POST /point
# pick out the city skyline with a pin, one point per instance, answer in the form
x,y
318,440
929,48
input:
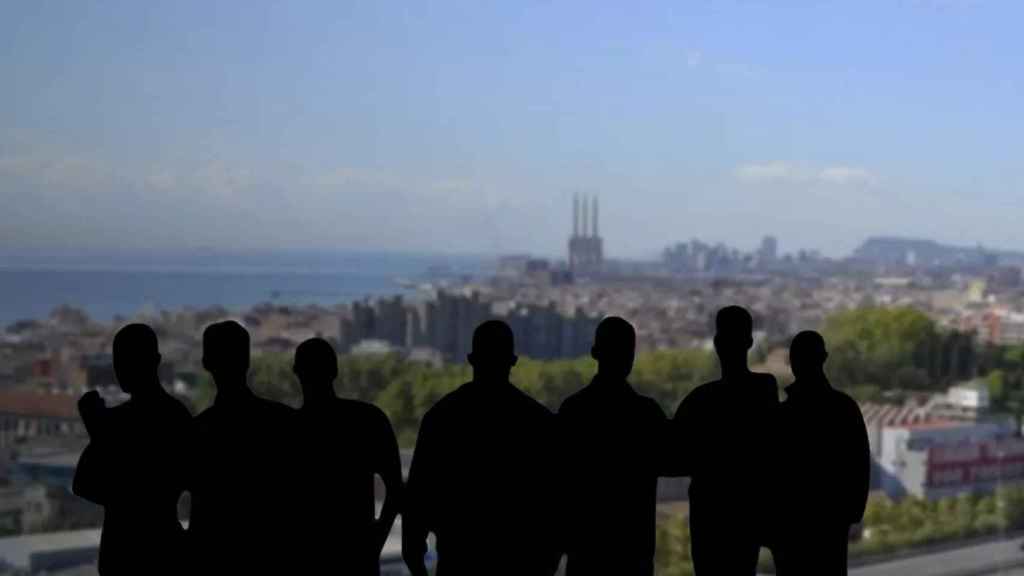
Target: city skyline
x,y
470,128
312,260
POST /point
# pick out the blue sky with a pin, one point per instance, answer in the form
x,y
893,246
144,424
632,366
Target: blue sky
x,y
468,126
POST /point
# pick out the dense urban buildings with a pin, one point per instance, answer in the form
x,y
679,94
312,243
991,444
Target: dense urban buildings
x,y
943,445
444,324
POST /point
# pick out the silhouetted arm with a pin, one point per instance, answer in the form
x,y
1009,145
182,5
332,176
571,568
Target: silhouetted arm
x,y
179,448
88,482
415,514
680,447
388,465
561,501
193,458
666,456
93,411
771,391
860,458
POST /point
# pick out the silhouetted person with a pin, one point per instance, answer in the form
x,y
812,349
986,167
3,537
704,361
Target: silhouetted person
x,y
133,464
722,438
342,444
826,465
481,478
242,479
613,452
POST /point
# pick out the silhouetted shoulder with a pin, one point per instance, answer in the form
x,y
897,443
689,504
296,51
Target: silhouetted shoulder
x,y
121,410
574,401
650,406
695,398
846,404
256,406
445,404
364,412
531,404
275,407
766,385
177,408
364,409
205,415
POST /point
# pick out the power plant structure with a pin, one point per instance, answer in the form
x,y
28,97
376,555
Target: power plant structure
x,y
586,248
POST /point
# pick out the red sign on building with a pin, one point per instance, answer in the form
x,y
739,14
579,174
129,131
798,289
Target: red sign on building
x,y
978,463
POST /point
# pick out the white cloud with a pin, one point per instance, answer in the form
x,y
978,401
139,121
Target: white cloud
x,y
770,172
779,171
71,173
17,165
161,180
218,179
845,175
693,58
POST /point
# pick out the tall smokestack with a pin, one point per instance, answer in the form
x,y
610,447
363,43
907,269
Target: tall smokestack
x,y
586,215
575,215
595,217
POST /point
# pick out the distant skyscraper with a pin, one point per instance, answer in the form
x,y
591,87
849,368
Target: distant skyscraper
x,y
586,248
769,249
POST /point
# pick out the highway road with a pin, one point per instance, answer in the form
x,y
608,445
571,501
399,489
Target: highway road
x,y
1002,557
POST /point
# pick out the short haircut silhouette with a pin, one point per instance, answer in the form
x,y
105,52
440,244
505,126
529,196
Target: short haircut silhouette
x,y
341,444
722,442
136,357
482,473
316,359
615,346
493,351
734,327
226,349
613,452
818,501
807,353
134,463
243,513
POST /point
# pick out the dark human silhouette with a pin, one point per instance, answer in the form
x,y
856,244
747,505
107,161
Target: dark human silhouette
x,y
343,444
132,465
482,477
721,430
242,477
613,450
825,463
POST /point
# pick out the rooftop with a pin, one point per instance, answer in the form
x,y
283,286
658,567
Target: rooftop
x,y
64,459
17,551
934,424
39,404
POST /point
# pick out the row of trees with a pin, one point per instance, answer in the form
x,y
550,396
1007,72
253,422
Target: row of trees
x,y
405,390
889,526
875,353
894,525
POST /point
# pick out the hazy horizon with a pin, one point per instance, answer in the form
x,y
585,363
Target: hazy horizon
x,y
310,259
460,128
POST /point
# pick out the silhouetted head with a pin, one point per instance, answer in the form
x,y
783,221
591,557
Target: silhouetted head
x,y
614,347
807,355
493,354
226,351
734,334
316,366
136,358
